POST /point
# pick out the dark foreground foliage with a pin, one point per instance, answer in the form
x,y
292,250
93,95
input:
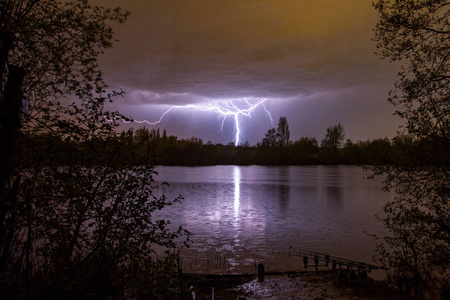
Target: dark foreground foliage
x,y
76,218
417,248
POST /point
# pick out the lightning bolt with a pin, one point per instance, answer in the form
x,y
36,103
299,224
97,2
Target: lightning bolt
x,y
224,109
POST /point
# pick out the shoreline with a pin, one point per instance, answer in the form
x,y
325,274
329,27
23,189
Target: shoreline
x,y
301,285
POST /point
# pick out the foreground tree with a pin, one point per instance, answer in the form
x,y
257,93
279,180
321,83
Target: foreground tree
x,y
418,247
416,33
75,218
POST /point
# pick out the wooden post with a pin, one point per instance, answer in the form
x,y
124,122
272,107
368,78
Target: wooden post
x,y
316,262
327,259
260,272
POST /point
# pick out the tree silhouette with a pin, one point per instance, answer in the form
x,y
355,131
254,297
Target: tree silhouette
x,y
76,218
332,143
334,137
270,138
417,34
283,133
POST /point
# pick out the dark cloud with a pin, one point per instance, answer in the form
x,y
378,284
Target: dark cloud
x,y
181,52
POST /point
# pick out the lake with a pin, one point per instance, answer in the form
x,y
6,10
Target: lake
x,y
241,216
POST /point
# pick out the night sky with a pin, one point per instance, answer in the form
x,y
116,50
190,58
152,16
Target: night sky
x,y
314,61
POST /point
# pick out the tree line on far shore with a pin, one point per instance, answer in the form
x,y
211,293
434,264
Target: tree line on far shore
x,y
275,148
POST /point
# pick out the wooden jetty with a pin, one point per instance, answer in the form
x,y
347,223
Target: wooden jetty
x,y
316,260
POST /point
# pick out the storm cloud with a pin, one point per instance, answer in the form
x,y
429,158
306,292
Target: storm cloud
x,y
180,52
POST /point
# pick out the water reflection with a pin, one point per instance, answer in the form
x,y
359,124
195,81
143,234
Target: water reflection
x,y
283,197
334,196
243,212
237,190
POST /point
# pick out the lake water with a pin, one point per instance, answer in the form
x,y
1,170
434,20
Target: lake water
x,y
241,216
